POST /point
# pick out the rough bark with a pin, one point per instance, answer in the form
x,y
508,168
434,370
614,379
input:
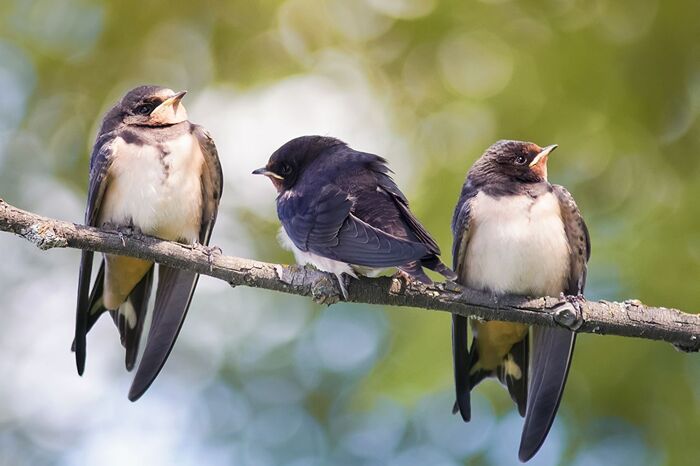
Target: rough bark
x,y
630,318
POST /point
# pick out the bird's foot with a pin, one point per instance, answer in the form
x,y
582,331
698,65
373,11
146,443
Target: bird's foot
x,y
131,231
452,286
405,277
573,299
123,231
211,252
324,290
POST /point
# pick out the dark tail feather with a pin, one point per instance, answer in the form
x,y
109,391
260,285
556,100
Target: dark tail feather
x,y
173,296
552,350
415,270
517,360
96,309
82,313
131,336
434,263
460,358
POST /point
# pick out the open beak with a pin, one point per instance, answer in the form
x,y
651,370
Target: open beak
x,y
543,155
266,172
172,101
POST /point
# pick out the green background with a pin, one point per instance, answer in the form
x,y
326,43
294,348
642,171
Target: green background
x,y
259,378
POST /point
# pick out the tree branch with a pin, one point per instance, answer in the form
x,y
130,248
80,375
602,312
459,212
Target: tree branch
x,y
630,318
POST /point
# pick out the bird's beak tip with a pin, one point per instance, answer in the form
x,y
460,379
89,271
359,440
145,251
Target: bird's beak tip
x,y
543,154
266,172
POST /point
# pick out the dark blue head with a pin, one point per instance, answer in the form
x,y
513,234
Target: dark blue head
x,y
287,163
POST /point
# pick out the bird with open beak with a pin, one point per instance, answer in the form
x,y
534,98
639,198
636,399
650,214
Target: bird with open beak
x,y
515,233
155,172
341,212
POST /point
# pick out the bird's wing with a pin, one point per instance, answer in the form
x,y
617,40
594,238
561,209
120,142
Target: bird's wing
x,y
175,286
461,223
553,347
326,226
100,161
212,182
387,184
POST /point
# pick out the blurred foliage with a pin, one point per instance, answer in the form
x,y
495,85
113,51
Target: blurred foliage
x,y
259,378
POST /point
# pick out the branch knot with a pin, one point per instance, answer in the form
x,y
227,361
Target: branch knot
x,y
568,315
43,236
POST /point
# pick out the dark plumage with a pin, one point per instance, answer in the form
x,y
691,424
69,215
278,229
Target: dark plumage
x,y
154,171
514,232
343,213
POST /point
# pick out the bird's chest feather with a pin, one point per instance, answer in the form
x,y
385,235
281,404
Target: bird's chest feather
x,y
517,245
156,187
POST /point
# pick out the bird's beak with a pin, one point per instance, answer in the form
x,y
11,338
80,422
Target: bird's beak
x,y
266,172
172,101
169,112
542,156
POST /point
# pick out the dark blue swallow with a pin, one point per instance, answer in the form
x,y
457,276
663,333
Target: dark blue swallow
x,y
341,211
516,233
153,171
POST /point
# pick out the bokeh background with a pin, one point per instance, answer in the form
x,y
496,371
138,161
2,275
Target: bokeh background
x,y
259,378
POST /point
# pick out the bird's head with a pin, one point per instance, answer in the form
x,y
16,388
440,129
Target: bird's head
x,y
152,106
516,161
288,163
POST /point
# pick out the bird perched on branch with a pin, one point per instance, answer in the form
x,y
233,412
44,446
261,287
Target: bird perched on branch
x,y
151,171
341,212
516,233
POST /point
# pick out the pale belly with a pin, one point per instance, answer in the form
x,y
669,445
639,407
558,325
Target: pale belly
x,y
160,194
517,245
323,263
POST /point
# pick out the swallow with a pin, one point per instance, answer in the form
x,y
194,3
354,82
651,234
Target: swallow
x,y
516,233
342,212
151,171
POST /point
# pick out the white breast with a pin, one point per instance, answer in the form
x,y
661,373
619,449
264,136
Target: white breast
x,y
157,188
517,245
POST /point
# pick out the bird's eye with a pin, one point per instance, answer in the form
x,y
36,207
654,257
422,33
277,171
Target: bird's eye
x,y
144,109
520,160
285,169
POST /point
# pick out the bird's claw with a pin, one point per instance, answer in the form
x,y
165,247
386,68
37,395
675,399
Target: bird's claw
x,y
407,279
452,286
324,291
211,252
123,231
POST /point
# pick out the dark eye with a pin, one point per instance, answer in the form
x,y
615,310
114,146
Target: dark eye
x,y
144,109
285,169
520,160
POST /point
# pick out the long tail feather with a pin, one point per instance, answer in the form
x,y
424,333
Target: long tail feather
x,y
552,350
173,296
460,358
